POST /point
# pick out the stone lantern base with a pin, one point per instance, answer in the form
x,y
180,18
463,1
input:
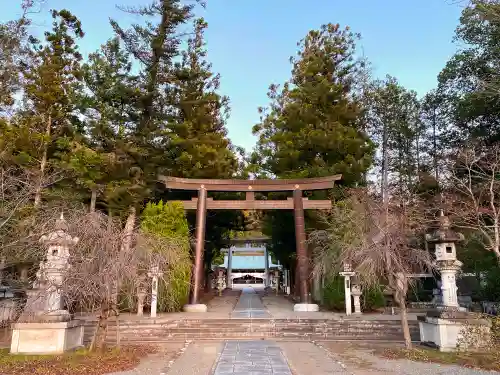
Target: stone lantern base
x,y
449,330
195,308
305,307
46,338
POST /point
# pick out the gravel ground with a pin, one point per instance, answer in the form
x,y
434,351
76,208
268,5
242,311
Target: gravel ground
x,y
198,359
304,358
360,361
160,362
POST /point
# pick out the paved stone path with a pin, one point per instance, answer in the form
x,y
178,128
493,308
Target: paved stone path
x,y
259,357
250,306
252,358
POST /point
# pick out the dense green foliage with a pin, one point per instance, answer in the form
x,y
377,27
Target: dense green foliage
x,y
168,220
312,126
334,296
372,299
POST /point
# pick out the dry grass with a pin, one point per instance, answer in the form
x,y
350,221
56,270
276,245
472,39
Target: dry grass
x,y
479,360
347,352
81,362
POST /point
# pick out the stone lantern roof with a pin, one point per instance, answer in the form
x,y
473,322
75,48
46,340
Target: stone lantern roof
x,y
60,235
444,233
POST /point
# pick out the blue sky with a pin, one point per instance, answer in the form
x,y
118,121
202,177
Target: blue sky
x,y
250,41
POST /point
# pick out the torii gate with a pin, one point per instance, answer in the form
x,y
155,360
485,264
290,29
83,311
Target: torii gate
x,y
298,203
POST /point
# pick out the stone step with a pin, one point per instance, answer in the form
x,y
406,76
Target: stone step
x,y
134,332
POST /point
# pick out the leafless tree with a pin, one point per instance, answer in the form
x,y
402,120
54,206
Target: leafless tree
x,y
473,194
100,262
102,272
20,225
380,242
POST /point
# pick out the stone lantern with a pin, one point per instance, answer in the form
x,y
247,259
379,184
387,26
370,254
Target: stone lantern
x,y
356,295
276,281
45,327
444,326
444,240
220,281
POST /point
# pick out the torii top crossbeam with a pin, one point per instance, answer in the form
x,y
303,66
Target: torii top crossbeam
x,y
316,183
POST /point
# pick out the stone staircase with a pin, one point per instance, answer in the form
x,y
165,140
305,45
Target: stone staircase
x,y
158,331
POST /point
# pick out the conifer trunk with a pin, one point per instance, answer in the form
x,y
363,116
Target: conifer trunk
x,y
93,200
43,164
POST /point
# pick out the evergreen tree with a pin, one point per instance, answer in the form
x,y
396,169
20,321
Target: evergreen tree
x,y
470,80
433,117
311,128
313,125
393,122
51,78
14,50
109,107
154,45
200,146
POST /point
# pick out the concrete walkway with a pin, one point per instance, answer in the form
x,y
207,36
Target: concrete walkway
x,y
252,357
250,306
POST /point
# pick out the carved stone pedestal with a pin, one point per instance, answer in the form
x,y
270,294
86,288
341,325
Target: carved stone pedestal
x,y
451,329
46,338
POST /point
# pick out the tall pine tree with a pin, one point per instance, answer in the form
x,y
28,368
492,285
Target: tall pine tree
x,y
312,126
51,78
200,145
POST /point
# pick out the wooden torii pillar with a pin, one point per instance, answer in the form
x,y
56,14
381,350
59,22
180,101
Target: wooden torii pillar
x,y
297,203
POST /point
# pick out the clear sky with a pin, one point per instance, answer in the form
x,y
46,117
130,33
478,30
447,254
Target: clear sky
x,y
250,41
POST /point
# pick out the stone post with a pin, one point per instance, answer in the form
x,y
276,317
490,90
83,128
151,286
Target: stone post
x,y
347,274
154,274
285,282
23,273
276,281
266,269
229,270
2,269
141,296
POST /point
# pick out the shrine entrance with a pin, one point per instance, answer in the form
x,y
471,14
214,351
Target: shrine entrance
x,y
297,203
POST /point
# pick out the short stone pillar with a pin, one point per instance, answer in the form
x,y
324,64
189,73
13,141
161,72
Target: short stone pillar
x,y
356,295
287,282
444,326
2,269
23,273
45,327
276,281
154,273
267,275
141,297
347,274
220,281
229,269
